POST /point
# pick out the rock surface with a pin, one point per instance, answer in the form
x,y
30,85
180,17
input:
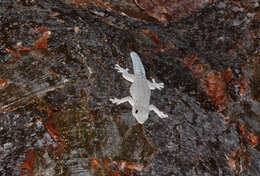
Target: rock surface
x,y
57,74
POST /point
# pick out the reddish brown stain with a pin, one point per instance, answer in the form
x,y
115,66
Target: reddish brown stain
x,y
145,31
41,43
3,84
227,75
28,164
171,10
57,138
216,90
95,163
189,61
15,53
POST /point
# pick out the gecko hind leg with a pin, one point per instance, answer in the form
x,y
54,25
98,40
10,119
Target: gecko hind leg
x,y
157,111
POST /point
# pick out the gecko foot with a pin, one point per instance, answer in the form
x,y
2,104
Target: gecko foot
x,y
115,101
157,85
162,115
120,69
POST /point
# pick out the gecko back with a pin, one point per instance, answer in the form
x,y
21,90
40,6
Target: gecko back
x,y
137,64
140,91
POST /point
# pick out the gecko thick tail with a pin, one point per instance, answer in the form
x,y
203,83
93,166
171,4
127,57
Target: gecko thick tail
x,y
137,64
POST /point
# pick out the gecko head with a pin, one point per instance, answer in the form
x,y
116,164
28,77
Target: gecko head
x,y
140,114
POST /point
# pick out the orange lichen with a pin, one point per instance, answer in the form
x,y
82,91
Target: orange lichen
x,y
227,75
95,163
28,163
155,38
56,137
54,133
164,47
247,159
237,3
42,30
198,70
216,90
145,31
251,139
105,39
124,167
189,61
244,86
248,136
15,53
239,160
232,161
81,3
3,84
48,110
41,43
131,166
171,10
52,72
25,49
106,166
101,3
241,128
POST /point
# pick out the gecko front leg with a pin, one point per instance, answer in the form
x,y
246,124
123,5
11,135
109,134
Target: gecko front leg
x,y
125,74
122,100
153,85
157,111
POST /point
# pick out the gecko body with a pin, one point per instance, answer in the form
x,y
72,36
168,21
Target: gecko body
x,y
140,91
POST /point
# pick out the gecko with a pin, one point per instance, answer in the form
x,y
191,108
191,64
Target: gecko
x,y
140,90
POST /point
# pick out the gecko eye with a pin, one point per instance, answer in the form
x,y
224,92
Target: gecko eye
x,y
136,111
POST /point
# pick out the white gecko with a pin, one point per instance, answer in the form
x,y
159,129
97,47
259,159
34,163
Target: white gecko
x,y
140,91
